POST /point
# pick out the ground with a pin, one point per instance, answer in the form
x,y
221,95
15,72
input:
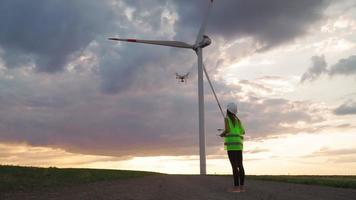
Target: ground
x,y
176,187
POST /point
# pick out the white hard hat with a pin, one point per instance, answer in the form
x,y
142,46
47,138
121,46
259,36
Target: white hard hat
x,y
232,107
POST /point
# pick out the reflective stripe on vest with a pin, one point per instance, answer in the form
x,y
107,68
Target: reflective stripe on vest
x,y
233,143
234,135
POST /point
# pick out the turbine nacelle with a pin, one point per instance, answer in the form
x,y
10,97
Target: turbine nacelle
x,y
206,41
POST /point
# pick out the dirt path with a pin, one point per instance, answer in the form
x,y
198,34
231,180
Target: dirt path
x,y
176,187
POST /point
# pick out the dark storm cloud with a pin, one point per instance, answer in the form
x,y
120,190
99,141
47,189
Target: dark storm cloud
x,y
317,68
143,123
150,114
124,65
71,115
48,32
348,108
270,23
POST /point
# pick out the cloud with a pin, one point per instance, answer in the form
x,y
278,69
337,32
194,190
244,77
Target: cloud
x,y
267,23
47,34
343,126
270,116
333,152
348,108
123,67
318,67
72,115
270,23
269,86
345,67
22,154
344,155
257,150
255,86
146,113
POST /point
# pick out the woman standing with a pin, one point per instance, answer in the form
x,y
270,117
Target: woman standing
x,y
233,142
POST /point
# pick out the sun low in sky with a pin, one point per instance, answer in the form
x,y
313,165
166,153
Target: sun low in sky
x,y
71,98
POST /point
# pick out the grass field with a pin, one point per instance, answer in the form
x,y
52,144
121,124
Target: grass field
x,y
15,178
332,181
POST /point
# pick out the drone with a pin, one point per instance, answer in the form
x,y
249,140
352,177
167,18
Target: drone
x,y
182,78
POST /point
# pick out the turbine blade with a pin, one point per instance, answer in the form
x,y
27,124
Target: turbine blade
x,y
156,42
205,22
211,86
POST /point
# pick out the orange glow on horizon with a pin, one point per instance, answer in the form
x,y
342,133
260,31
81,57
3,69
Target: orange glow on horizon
x,y
301,154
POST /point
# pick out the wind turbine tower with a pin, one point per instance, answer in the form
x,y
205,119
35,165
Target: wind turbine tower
x,y
201,42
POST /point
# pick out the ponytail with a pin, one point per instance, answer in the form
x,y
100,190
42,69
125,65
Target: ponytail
x,y
232,117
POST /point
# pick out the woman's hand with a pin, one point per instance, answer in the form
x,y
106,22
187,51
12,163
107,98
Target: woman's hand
x,y
223,134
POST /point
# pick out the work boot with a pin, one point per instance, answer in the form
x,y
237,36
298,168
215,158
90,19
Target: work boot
x,y
235,189
242,188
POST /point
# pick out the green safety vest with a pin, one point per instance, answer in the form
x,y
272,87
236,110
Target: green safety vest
x,y
234,139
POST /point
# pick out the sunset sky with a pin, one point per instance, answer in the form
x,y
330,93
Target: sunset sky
x,y
71,98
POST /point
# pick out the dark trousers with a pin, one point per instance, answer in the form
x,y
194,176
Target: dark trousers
x,y
235,158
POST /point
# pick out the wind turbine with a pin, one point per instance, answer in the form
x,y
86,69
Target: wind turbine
x,y
201,42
